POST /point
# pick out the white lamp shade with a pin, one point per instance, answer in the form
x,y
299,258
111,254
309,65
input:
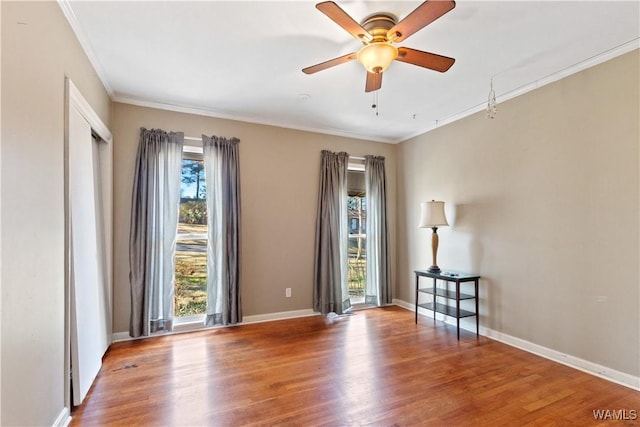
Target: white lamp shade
x,y
376,57
432,215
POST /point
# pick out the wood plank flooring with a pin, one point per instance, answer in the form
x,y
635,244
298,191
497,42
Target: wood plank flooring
x,y
373,367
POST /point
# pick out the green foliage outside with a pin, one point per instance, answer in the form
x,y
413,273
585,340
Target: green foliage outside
x,y
193,212
190,290
356,274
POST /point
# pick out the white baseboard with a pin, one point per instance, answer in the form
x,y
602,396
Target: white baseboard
x,y
269,317
179,328
566,359
64,418
600,371
120,336
199,326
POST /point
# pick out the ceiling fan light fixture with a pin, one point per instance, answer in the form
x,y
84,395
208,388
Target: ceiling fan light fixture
x,y
378,32
377,57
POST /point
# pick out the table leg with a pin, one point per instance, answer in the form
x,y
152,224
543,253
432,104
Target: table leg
x,y
477,311
434,300
417,283
458,308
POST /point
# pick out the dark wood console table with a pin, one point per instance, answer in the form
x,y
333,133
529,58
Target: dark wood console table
x,y
456,277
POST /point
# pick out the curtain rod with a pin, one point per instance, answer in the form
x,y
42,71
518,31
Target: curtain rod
x,y
192,138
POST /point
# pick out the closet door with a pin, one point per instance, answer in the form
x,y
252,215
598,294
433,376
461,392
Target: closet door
x,y
89,291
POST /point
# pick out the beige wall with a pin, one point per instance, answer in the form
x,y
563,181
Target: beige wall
x,y
543,202
38,51
279,173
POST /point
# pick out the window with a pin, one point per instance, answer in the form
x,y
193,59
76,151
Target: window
x,y
357,251
190,291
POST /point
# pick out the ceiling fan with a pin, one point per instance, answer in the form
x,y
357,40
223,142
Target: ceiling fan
x,y
378,32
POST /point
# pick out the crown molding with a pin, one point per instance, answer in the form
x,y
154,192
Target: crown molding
x,y
558,75
84,43
245,118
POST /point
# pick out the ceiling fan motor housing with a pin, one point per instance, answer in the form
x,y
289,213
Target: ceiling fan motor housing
x,y
378,25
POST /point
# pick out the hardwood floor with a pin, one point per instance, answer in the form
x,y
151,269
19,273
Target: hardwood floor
x,y
374,367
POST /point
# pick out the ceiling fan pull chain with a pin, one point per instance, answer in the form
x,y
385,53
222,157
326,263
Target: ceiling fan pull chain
x,y
375,102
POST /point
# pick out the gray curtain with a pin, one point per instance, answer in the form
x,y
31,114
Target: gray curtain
x,y
378,283
222,174
330,293
154,225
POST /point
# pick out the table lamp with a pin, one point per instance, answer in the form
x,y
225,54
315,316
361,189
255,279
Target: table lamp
x,y
432,216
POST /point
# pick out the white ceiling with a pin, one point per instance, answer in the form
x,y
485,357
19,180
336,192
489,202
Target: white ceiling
x,y
243,59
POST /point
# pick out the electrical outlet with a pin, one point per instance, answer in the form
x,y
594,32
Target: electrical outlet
x,y
287,292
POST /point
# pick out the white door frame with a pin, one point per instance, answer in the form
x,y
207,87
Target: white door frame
x,y
75,100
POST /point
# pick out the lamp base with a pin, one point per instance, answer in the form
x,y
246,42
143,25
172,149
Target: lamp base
x,y
434,269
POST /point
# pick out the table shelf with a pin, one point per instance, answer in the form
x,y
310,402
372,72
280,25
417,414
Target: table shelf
x,y
444,293
446,309
448,295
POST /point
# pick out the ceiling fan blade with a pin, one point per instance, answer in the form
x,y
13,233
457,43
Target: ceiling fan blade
x,y
421,16
374,82
340,17
428,60
330,63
